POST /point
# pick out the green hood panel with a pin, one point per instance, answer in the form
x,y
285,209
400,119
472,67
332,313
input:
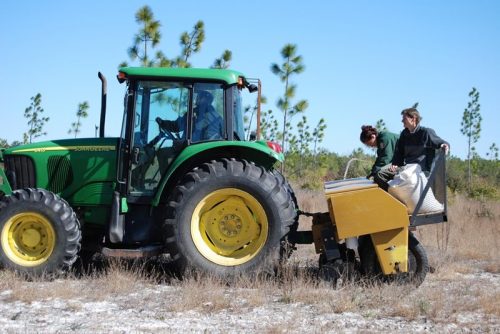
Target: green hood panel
x,y
82,171
67,145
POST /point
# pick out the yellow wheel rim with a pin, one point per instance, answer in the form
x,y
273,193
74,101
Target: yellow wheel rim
x,y
229,227
28,239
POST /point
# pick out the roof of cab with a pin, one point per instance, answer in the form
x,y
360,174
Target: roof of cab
x,y
228,76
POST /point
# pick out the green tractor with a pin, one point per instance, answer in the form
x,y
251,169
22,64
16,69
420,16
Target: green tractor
x,y
180,179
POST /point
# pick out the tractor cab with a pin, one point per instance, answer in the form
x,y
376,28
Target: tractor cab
x,y
175,119
168,109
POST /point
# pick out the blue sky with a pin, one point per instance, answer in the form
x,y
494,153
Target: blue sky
x,y
365,60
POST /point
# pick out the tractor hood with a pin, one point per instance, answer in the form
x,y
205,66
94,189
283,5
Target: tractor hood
x,y
79,170
80,145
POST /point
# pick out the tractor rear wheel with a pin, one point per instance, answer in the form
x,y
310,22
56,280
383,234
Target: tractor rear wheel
x,y
39,233
287,244
226,218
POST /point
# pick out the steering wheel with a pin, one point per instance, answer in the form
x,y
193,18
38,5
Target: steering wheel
x,y
163,132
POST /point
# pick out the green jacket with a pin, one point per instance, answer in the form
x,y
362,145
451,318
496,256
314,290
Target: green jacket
x,y
386,145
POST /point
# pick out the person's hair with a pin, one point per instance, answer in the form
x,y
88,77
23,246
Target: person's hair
x,y
366,132
413,113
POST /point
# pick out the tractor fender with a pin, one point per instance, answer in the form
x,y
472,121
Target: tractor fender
x,y
194,155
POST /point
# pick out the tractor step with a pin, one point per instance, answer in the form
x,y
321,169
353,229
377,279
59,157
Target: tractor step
x,y
133,253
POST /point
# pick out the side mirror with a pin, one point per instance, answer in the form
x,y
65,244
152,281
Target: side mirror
x,y
252,88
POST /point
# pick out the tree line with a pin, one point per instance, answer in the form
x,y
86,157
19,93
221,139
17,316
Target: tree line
x,y
306,162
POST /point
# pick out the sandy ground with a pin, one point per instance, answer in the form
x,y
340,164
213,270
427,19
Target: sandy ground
x,y
147,308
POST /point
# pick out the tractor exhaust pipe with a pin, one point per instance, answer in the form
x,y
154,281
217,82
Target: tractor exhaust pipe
x,y
104,93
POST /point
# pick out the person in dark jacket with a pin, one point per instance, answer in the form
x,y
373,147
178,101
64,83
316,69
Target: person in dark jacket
x,y
207,124
416,144
385,142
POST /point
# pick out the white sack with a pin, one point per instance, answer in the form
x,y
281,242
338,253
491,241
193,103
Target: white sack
x,y
408,185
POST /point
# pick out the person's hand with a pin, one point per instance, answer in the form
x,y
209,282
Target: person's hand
x,y
446,148
393,168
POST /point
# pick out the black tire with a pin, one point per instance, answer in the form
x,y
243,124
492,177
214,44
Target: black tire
x,y
287,244
226,218
369,262
344,268
40,233
332,271
418,263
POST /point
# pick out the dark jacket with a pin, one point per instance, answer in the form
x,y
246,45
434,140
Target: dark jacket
x,y
386,144
207,125
417,147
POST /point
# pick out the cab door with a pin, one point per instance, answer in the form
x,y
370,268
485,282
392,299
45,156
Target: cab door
x,y
154,147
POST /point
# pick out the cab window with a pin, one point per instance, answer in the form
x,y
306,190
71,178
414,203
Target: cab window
x,y
157,102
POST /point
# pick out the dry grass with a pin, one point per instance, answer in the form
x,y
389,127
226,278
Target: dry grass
x,y
119,278
471,233
29,291
465,246
202,293
116,278
463,253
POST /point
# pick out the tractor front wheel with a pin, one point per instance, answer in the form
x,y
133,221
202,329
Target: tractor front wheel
x,y
39,233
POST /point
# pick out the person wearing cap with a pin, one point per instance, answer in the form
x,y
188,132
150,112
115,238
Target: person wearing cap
x,y
207,123
385,142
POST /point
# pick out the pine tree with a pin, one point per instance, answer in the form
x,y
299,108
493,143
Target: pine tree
x,y
380,126
493,153
318,135
471,128
81,113
36,121
149,36
269,126
292,64
4,143
224,61
146,39
190,43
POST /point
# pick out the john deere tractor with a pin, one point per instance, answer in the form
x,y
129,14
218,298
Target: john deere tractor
x,y
180,179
